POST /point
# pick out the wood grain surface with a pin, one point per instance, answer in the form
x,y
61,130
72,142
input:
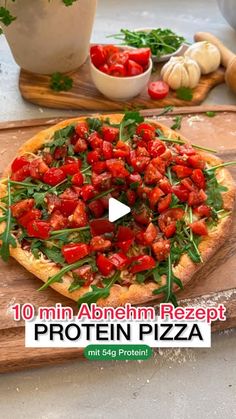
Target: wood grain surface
x,y
84,95
215,283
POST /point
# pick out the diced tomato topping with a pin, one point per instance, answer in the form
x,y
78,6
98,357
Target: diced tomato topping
x,y
142,215
182,171
167,220
47,158
121,150
188,184
161,249
203,210
181,192
77,179
196,161
154,196
33,214
125,245
21,174
74,251
199,228
82,130
150,233
99,167
68,206
53,202
93,156
58,221
124,233
39,229
199,178
102,181
110,134
96,207
117,169
160,164
131,197
152,174
119,260
104,265
53,176
70,168
99,244
85,272
80,146
170,230
164,203
87,192
142,263
185,149
146,131
165,185
80,218
135,178
197,198
107,150
38,168
18,163
69,193
60,152
95,140
156,148
22,207
102,226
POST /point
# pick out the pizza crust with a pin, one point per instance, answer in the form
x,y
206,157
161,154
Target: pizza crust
x,y
135,293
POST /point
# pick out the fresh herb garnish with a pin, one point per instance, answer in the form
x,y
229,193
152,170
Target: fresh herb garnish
x,y
6,17
160,41
184,93
94,124
177,122
60,82
214,191
128,124
60,138
97,293
211,114
6,237
171,279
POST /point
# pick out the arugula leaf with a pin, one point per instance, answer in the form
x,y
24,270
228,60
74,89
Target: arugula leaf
x,y
94,124
68,2
5,16
60,137
60,82
177,122
6,237
97,293
184,93
54,254
134,185
214,191
129,123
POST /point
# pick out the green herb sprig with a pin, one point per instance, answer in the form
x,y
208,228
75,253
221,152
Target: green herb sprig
x,y
6,237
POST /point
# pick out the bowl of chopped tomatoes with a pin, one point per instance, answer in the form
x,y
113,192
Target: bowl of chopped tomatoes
x,y
120,73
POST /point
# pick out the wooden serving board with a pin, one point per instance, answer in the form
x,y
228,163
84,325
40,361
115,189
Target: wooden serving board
x,y
215,283
84,95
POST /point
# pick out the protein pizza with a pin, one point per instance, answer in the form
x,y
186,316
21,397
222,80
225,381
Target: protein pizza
x,y
54,209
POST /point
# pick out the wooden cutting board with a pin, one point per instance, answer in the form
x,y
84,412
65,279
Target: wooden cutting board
x,y
215,283
84,95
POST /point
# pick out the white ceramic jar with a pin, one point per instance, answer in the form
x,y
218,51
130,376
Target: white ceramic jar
x,y
47,36
228,10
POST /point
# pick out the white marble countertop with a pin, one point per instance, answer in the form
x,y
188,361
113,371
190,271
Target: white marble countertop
x,y
178,384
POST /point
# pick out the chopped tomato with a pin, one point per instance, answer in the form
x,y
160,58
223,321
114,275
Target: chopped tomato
x,y
93,156
69,193
154,196
117,70
96,208
167,220
60,152
80,218
146,131
121,58
85,272
119,260
110,49
47,158
87,192
142,151
131,197
188,184
117,169
99,244
142,263
37,168
133,68
197,198
53,202
82,130
185,150
99,167
143,191
33,214
199,178
68,206
107,150
21,174
160,164
199,228
74,251
39,229
18,163
139,163
70,168
165,185
140,55
150,233
105,266
124,233
121,150
142,215
110,134
58,221
95,140
164,203
196,161
98,55
77,179
104,68
181,192
152,174
102,226
22,207
125,245
181,171
158,89
156,148
135,178
161,249
102,181
80,146
53,176
203,210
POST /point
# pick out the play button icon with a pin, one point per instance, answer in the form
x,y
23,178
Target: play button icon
x,y
117,210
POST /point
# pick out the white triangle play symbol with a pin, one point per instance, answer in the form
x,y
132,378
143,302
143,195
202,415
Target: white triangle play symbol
x,y
116,210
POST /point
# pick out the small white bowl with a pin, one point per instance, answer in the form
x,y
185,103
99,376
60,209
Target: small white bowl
x,y
120,88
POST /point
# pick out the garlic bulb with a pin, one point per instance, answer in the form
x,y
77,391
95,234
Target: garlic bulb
x,y
206,54
181,72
